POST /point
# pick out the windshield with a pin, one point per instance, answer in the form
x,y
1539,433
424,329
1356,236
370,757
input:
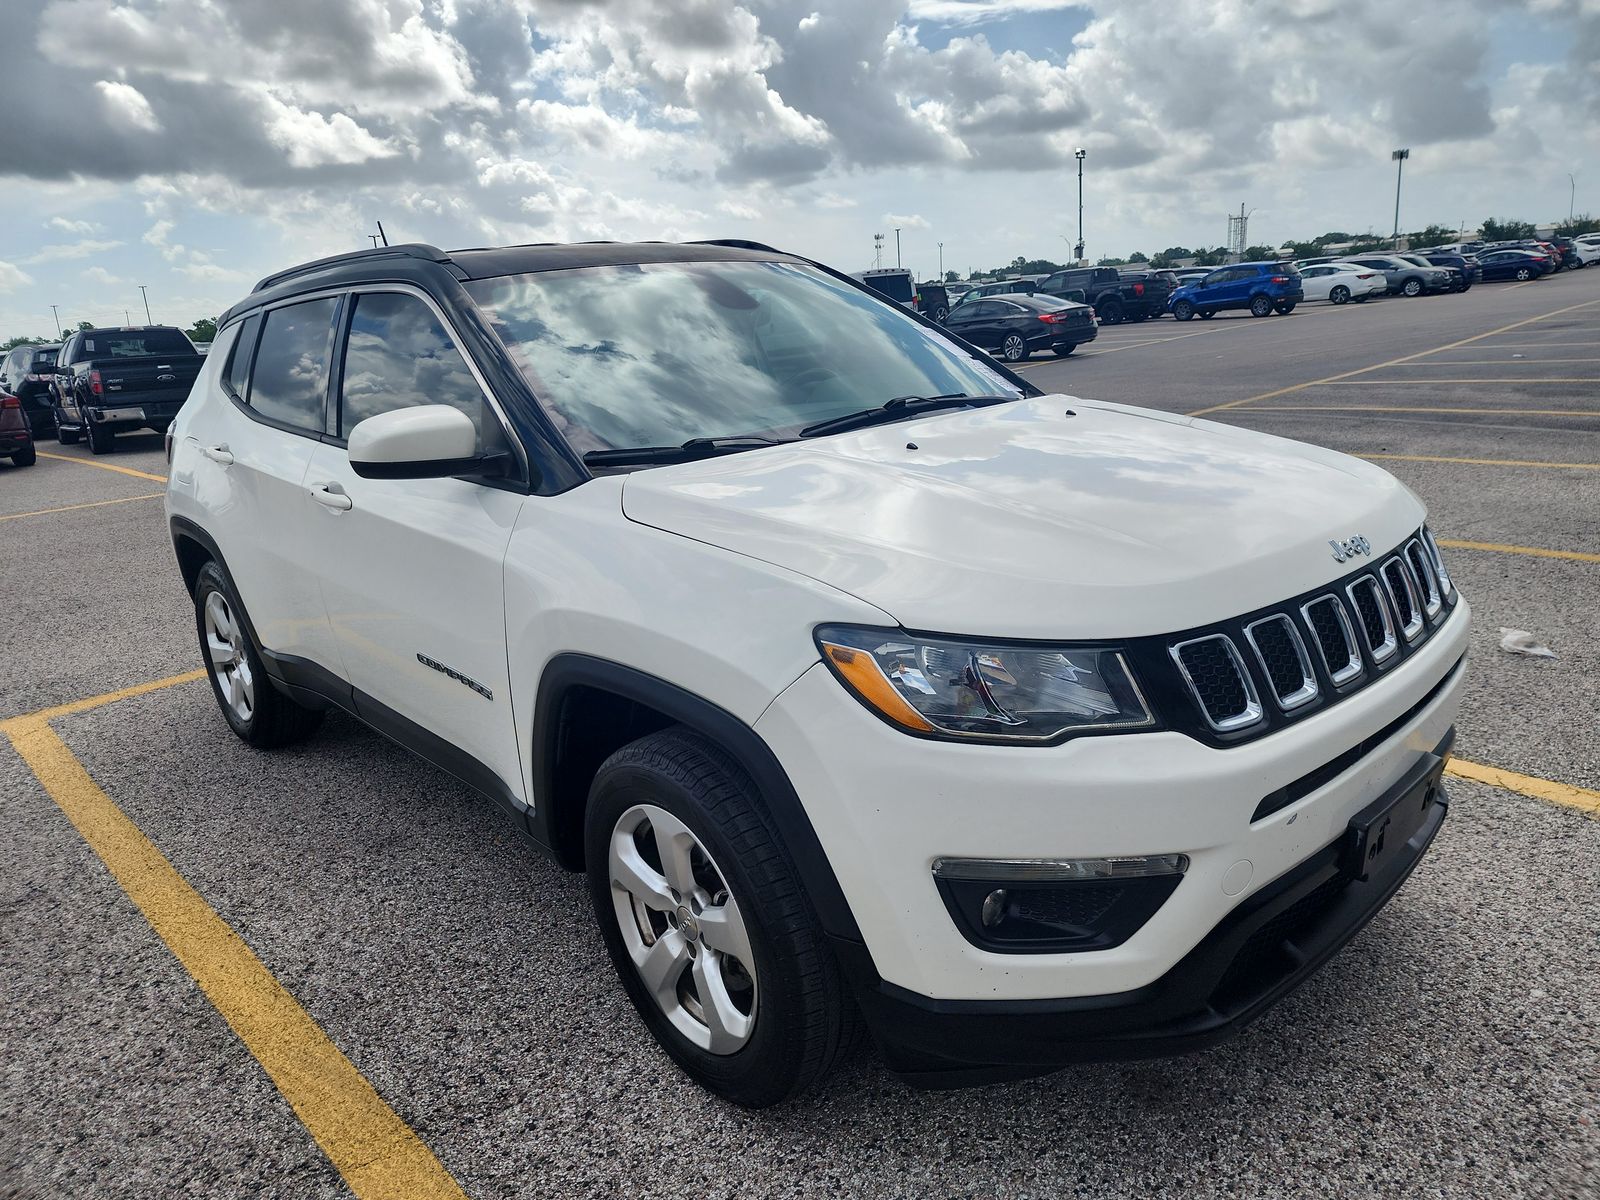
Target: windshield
x,y
896,287
656,354
131,343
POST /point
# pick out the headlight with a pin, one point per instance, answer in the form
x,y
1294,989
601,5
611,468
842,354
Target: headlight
x,y
964,690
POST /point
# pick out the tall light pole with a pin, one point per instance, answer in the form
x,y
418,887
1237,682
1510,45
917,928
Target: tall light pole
x,y
877,250
1078,250
897,246
1399,157
56,317
147,318
941,262
1572,196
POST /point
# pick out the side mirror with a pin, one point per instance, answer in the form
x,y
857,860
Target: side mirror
x,y
429,441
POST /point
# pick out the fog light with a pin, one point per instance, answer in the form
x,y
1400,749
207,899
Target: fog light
x,y
994,908
1039,906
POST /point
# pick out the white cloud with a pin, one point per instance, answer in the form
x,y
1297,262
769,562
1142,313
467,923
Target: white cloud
x,y
67,250
81,228
13,277
312,140
126,106
908,222
102,277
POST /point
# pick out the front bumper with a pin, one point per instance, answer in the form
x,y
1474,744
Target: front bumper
x,y
1261,951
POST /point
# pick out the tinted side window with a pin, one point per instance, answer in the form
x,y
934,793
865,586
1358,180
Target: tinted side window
x,y
398,355
290,378
238,372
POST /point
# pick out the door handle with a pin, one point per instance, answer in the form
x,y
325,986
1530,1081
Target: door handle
x,y
218,454
325,495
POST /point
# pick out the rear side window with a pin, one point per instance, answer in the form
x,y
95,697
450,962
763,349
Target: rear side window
x,y
238,376
290,378
399,355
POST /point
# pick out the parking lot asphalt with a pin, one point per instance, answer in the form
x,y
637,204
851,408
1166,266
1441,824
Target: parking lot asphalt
x,y
1452,1050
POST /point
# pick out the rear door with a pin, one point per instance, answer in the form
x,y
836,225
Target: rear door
x,y
412,570
255,445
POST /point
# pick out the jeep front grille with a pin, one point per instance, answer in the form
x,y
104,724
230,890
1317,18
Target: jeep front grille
x,y
1217,677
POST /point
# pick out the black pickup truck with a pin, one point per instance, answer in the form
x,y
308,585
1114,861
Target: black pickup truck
x,y
1116,296
108,381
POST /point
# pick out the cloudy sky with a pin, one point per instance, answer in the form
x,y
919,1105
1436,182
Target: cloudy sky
x,y
194,145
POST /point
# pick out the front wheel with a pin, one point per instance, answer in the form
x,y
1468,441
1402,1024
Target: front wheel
x,y
706,922
1284,308
1524,274
1014,348
1362,299
1340,295
252,706
1207,313
1412,287
1183,310
67,437
1261,306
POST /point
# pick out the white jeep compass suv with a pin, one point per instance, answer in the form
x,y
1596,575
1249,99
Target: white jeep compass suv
x,y
867,684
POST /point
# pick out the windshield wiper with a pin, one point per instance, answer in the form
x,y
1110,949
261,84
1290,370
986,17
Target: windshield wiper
x,y
899,407
704,447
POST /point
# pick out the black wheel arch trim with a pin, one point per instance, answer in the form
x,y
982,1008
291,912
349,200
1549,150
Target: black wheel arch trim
x,y
565,672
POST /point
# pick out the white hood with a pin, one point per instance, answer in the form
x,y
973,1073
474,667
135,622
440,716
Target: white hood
x,y
1021,521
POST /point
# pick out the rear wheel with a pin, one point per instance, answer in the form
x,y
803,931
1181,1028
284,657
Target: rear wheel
x,y
252,706
1110,312
1412,287
100,438
1340,295
1183,310
707,924
1014,348
1261,306
25,457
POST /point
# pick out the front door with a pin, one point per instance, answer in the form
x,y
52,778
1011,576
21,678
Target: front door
x,y
413,569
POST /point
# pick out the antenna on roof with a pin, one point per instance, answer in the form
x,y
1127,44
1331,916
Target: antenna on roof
x,y
373,238
382,234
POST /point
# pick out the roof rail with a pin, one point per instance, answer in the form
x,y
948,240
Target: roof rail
x,y
735,244
406,250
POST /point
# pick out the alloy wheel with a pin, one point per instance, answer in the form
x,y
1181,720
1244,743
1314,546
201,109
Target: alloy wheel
x,y
1015,348
683,929
229,662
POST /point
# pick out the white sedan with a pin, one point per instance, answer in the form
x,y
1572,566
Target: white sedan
x,y
1340,283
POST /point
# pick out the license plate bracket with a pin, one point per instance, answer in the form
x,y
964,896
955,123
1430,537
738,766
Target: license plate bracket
x,y
1378,833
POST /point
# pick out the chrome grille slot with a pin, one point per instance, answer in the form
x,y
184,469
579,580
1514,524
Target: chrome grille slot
x,y
1366,594
1427,578
1218,680
1283,659
1335,637
1404,595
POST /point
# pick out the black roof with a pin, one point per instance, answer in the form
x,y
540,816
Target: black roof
x,y
485,262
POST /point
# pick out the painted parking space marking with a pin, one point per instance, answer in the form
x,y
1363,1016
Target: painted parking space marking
x,y
1473,382
379,1156
104,466
1295,387
1402,408
1530,551
1482,462
44,512
1585,800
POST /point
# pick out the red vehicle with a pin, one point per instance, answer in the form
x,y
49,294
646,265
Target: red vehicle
x,y
16,438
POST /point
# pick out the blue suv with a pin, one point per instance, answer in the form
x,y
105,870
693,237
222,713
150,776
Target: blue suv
x,y
1262,287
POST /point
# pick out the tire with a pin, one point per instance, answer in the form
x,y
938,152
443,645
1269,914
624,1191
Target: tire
x,y
1284,309
269,718
1362,299
1183,310
1463,288
941,314
67,437
1412,287
99,438
1063,351
1207,313
25,458
1136,318
1110,312
1014,348
1261,306
787,1015
1340,295
1524,273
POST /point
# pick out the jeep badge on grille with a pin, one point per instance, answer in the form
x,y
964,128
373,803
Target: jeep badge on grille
x,y
1349,549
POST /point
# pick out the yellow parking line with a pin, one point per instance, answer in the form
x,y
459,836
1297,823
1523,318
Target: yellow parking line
x,y
1500,362
1424,408
1295,387
1534,345
1452,382
377,1153
104,466
1583,799
127,693
1531,551
42,512
1481,462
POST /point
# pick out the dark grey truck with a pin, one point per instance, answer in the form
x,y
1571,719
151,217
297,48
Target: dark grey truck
x,y
110,381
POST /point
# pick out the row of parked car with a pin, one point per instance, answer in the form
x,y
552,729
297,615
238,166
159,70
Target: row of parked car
x,y
96,384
